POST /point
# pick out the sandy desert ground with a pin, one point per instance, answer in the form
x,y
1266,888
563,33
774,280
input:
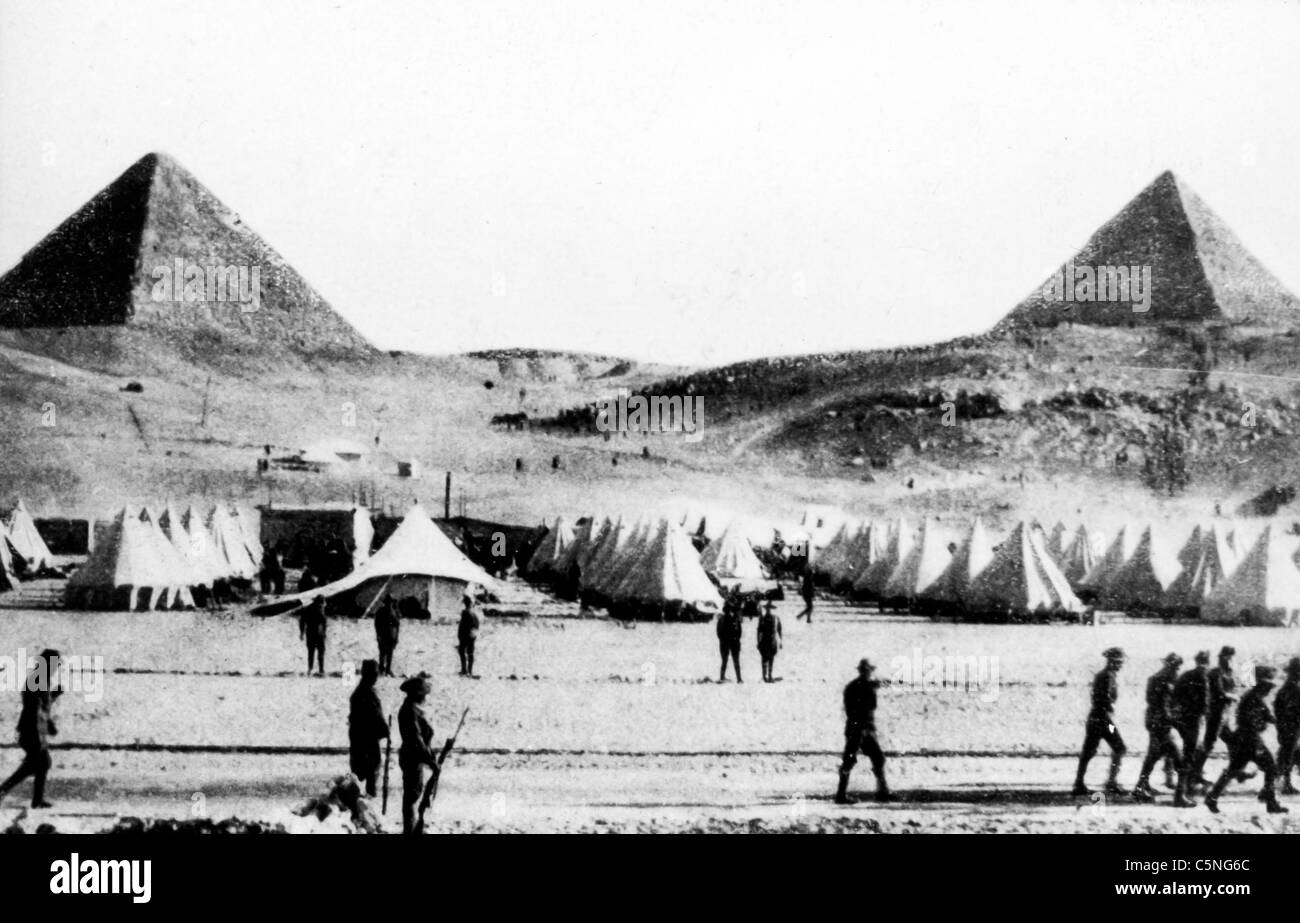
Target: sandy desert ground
x,y
583,724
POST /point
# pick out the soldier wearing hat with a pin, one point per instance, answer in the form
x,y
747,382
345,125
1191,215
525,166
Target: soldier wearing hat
x,y
36,726
769,640
1101,725
1223,693
1191,700
467,635
860,732
1287,706
367,726
1247,744
313,625
1160,724
416,752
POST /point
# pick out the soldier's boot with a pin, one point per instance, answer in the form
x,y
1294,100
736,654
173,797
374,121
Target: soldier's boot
x,y
842,793
1269,797
882,788
1182,797
1171,777
1143,792
1113,788
1212,799
1287,787
1079,787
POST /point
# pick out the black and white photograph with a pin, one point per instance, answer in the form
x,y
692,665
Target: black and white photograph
x,y
575,417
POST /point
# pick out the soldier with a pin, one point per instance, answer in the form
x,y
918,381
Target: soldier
x,y
36,726
1101,725
1247,745
769,641
366,727
860,733
1287,706
1160,728
808,592
388,626
467,635
731,629
1223,693
416,751
1191,699
313,625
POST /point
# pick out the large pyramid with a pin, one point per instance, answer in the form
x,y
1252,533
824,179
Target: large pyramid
x,y
1199,270
109,266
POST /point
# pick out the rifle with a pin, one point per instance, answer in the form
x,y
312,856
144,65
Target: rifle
x,y
431,787
388,756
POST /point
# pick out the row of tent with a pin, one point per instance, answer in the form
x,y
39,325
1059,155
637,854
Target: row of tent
x,y
647,563
145,559
22,550
1217,573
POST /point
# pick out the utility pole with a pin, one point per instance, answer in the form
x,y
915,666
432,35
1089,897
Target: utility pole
x,y
446,499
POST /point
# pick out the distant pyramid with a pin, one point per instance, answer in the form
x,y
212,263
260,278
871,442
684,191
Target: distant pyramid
x,y
1199,270
104,267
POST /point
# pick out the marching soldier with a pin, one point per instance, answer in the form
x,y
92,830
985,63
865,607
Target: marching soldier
x,y
1191,699
1223,693
1247,746
416,752
388,627
36,726
731,629
1101,725
769,641
860,733
313,624
366,727
1287,706
1160,728
467,635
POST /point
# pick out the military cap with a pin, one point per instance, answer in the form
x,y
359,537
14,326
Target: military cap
x,y
1173,659
1202,657
865,664
1113,653
1293,666
1227,651
1264,673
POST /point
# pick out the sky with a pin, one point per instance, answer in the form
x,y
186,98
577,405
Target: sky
x,y
686,182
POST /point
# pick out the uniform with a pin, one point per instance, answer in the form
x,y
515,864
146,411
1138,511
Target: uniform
x,y
388,626
808,592
1223,692
415,756
1100,725
1247,746
466,638
1191,702
313,625
1160,725
769,642
35,727
860,734
366,728
1287,706
731,629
